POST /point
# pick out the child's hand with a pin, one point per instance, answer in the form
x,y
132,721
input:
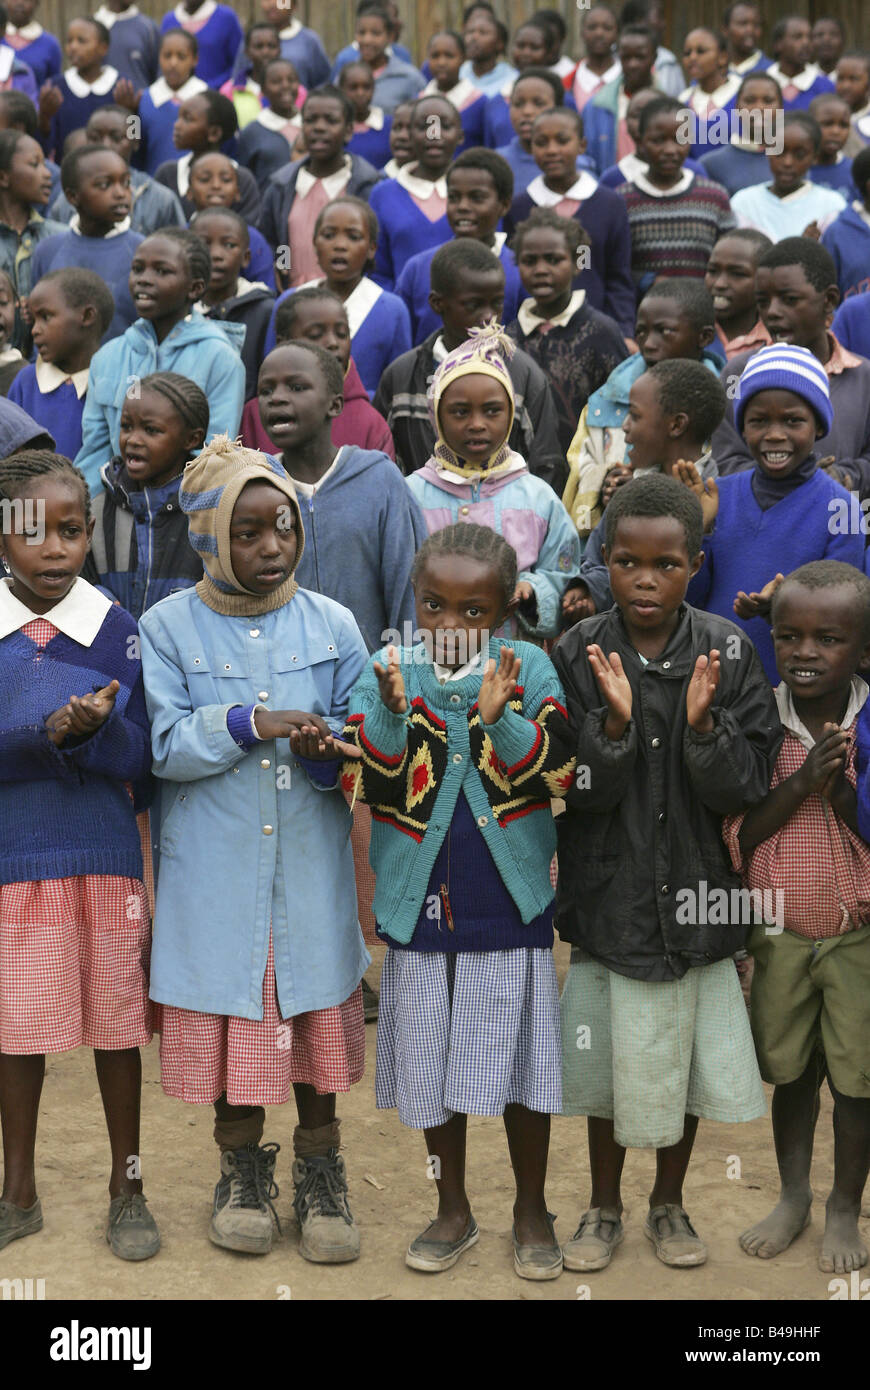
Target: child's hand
x,y
50,102
125,95
614,686
499,685
813,230
613,478
824,762
702,688
707,492
524,592
83,715
391,683
577,603
630,344
839,475
757,605
309,735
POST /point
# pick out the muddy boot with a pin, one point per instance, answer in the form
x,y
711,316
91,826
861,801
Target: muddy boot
x,y
329,1233
243,1200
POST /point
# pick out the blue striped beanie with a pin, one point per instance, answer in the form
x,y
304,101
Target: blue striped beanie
x,y
782,367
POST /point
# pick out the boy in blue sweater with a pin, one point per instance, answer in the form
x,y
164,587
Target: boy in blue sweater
x,y
848,236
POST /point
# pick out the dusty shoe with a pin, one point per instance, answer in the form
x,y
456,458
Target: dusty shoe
x,y
243,1200
132,1231
19,1221
329,1233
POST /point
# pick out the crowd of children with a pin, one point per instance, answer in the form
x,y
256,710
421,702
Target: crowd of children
x,y
448,481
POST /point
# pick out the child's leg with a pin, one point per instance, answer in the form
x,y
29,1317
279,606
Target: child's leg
x,y
528,1136
606,1160
446,1144
671,1166
119,1075
329,1233
842,1247
21,1080
794,1113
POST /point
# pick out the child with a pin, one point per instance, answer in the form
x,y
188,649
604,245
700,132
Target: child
x,y
468,286
73,911
778,515
848,236
400,139
17,112
411,208
742,163
741,25
712,89
230,297
626,168
218,33
214,183
25,183
34,45
371,127
140,549
445,54
668,73
479,194
557,142
791,203
535,91
793,69
169,274
96,182
134,41
530,47
159,104
485,39
675,217
260,963
300,46
828,42
395,79
71,310
730,278
298,192
317,315
245,91
833,169
604,116
268,141
809,988
475,475
576,347
15,74
853,85
467,918
11,360
599,65
675,727
205,122
66,103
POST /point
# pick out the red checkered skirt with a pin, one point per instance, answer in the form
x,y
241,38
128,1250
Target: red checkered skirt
x,y
256,1061
74,964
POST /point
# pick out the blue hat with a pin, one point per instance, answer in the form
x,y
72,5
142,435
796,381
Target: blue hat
x,y
782,367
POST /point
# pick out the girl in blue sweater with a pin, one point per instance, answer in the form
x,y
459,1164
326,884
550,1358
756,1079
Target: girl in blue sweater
x,y
464,741
218,33
75,764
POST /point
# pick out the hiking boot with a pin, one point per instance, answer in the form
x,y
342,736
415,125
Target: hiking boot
x,y
243,1200
132,1231
19,1221
370,1002
329,1233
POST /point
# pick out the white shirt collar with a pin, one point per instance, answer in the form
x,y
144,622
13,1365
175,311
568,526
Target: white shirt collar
x,y
588,80
10,354
49,378
79,615
700,101
391,169
242,287
160,91
291,30
529,320
29,32
182,173
360,302
803,81
443,674
309,489
375,119
439,350
272,121
792,721
333,183
458,96
100,88
110,17
7,58
630,166
119,228
421,188
200,16
578,192
748,64
641,181
862,212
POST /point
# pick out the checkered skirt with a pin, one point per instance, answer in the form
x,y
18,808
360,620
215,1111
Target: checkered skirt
x,y
469,1033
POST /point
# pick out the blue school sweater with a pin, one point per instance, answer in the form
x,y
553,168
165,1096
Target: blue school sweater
x,y
413,287
261,151
109,256
837,176
736,168
307,54
848,240
405,230
154,206
158,122
219,41
59,411
373,145
851,325
133,49
748,546
44,57
397,82
73,114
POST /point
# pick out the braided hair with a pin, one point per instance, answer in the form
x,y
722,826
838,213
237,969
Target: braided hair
x,y
195,251
185,397
19,470
478,542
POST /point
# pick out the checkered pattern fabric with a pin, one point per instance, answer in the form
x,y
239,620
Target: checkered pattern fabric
x,y
40,631
467,1033
256,1061
74,964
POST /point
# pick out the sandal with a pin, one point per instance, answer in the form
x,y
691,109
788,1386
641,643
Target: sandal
x,y
675,1239
590,1248
538,1261
431,1256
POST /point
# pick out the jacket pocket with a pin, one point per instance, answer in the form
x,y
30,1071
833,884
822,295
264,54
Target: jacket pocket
x,y
304,677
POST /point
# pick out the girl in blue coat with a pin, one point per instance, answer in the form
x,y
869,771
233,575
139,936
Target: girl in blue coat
x,y
258,953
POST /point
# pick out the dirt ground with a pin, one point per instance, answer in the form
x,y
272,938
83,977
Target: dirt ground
x,y
392,1201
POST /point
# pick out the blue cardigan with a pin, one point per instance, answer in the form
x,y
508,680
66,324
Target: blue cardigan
x,y
413,287
405,230
219,39
848,240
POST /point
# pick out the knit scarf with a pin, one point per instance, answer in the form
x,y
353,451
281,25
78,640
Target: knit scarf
x,y
210,487
485,353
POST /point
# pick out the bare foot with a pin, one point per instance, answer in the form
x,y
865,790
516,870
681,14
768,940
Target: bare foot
x,y
450,1226
776,1232
842,1248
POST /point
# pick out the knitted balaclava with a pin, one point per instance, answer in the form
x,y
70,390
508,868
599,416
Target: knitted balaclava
x,y
485,353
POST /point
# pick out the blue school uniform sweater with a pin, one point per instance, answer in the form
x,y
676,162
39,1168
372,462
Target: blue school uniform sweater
x,y
383,335
73,114
133,49
307,54
413,287
372,145
157,125
262,151
59,411
749,545
851,325
735,168
836,176
405,230
848,240
219,41
109,256
350,54
44,57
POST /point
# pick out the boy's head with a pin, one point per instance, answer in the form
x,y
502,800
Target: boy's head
x,y
653,530
731,270
485,36
861,174
480,189
782,406
20,12
635,106
536,90
791,43
796,291
800,146
827,40
96,181
345,239
637,54
660,127
226,235
852,79
357,82
820,616
213,181
112,127
834,118
741,27
71,310
87,43
17,112
673,409
300,390
327,123
675,318
204,122
467,287
315,315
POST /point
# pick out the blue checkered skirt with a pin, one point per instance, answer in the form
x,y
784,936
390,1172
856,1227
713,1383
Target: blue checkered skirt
x,y
469,1033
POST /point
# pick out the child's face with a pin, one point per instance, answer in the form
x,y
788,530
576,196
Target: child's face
x,y
827,42
637,57
599,29
818,638
662,331
192,130
103,194
276,12
176,61
358,86
323,321
400,133
324,128
635,106
730,278
660,147
649,567
474,415
228,248
372,36
263,540
796,47
743,30
531,96
155,441
530,48
473,300
8,302
44,570
20,12
436,130
58,328
294,399
109,128
473,206
793,310
834,117
853,82
556,146
780,431
759,94
702,57
29,178
281,87
459,601
481,37
645,425
343,243
445,60
261,46
790,167
213,182
84,47
161,284
546,265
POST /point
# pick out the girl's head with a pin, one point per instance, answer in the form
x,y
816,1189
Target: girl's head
x,y
281,86
705,57
315,315
480,187
87,43
800,145
204,122
261,46
485,37
178,57
436,130
782,406
20,12
24,176
47,526
300,390
464,579
357,82
637,54
532,44
741,27
213,181
557,142
400,132
8,309
835,122
327,123
168,274
226,237
345,240
535,91
791,43
599,31
372,35
445,55
730,274
71,309
852,79
162,427
828,40
471,404
110,126
660,142
547,251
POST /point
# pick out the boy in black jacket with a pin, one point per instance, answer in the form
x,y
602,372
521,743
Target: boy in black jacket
x,y
677,727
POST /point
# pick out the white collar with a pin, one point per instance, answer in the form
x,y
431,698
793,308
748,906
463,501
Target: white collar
x,y
589,80
443,674
748,64
270,120
578,192
29,32
458,96
439,351
309,489
564,68
110,17
641,181
10,354
860,113
517,465
7,58
391,169
499,239
101,88
182,173
292,29
79,615
118,230
630,166
160,91
421,188
360,302
701,101
49,378
201,15
862,212
529,319
792,721
375,119
333,184
242,287
803,81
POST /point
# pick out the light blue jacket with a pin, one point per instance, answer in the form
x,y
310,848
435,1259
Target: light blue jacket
x,y
207,352
247,838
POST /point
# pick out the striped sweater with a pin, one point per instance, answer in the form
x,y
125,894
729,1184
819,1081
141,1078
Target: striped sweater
x,y
674,234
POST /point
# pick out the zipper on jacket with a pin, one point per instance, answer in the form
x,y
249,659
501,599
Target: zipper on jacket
x,y
313,537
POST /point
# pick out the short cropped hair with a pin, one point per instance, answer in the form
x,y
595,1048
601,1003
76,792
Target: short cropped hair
x,y
828,574
464,253
330,367
693,297
656,495
659,106
817,261
759,240
71,165
285,316
80,288
567,227
544,75
809,123
487,162
214,210
684,385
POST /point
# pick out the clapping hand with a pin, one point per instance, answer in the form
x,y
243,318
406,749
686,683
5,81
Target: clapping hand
x,y
83,715
499,685
699,695
614,686
309,735
707,492
577,603
391,683
757,605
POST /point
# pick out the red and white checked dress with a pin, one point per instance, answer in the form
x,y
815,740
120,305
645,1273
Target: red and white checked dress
x,y
73,955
